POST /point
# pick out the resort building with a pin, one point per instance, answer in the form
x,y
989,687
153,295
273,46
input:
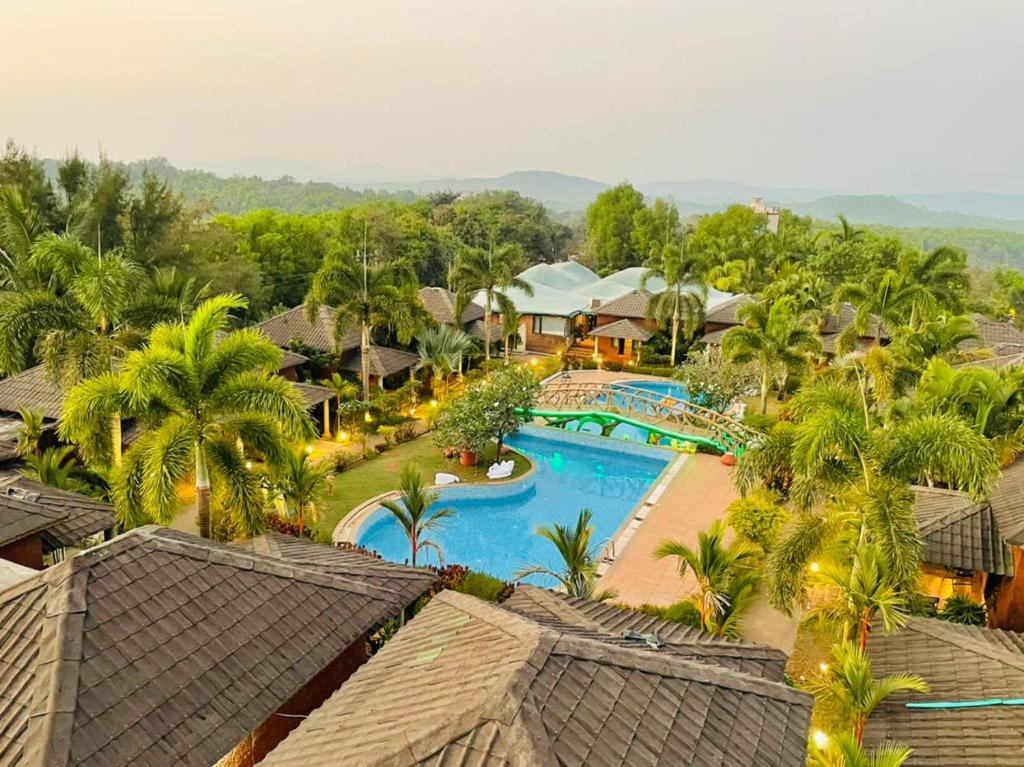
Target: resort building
x,y
569,302
539,683
440,305
42,525
971,713
159,647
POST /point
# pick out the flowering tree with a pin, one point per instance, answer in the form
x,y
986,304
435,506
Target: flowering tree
x,y
507,394
713,381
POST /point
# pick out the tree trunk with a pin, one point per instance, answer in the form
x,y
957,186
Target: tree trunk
x,y
487,328
782,387
865,627
764,392
501,444
202,491
412,541
364,353
675,332
300,518
115,439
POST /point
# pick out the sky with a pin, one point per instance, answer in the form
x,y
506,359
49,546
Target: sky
x,y
884,96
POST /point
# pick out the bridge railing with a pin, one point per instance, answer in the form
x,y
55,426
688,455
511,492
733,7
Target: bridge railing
x,y
651,407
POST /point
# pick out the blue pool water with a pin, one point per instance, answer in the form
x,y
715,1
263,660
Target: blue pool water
x,y
493,526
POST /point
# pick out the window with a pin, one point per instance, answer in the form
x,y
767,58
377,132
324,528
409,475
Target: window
x,y
546,325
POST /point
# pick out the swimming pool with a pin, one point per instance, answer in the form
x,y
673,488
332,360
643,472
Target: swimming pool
x,y
493,525
664,390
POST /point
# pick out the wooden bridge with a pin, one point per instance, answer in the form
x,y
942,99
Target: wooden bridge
x,y
607,404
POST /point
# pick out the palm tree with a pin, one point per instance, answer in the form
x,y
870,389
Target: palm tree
x,y
578,575
199,390
847,232
510,322
845,751
775,339
682,300
30,433
20,226
56,467
414,513
491,272
888,299
441,349
850,684
343,391
714,565
942,272
859,590
942,337
301,485
367,296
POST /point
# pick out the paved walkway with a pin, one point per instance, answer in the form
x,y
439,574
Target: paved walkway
x,y
698,495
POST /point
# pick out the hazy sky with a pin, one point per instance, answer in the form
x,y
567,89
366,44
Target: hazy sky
x,y
896,95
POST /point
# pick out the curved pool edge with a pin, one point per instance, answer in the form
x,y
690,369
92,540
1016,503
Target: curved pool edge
x,y
348,529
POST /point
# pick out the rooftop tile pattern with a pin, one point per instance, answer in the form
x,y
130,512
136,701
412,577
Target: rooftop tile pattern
x,y
959,533
440,304
319,334
32,389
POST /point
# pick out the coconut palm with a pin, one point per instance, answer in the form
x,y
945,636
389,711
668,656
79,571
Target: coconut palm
x,y
415,513
857,591
849,683
20,226
510,322
888,299
343,391
301,485
578,574
56,467
845,751
847,232
367,296
942,272
942,337
199,390
491,272
714,565
682,300
773,337
441,349
30,433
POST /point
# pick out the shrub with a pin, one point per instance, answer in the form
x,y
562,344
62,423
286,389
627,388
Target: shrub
x,y
405,432
714,382
388,433
286,527
921,606
758,518
960,608
474,583
684,612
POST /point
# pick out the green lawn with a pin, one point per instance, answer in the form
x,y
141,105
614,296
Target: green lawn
x,y
379,475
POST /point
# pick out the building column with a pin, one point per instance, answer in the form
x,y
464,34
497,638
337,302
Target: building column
x,y
327,419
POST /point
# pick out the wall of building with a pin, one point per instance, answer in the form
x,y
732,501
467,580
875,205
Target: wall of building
x,y
941,584
542,342
27,552
1008,609
290,715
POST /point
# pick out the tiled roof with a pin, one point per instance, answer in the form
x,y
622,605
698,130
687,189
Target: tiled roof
x,y
19,519
631,329
959,663
959,533
383,361
477,330
440,304
613,623
32,389
1007,502
469,683
11,573
290,359
83,516
727,312
313,394
993,334
633,304
161,648
1007,356
319,334
408,582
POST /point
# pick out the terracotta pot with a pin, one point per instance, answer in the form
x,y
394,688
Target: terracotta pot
x,y
728,459
468,458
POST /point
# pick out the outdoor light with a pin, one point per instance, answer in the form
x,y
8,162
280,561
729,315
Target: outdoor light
x,y
815,567
533,360
820,739
309,449
367,417
248,464
823,667
343,436
433,403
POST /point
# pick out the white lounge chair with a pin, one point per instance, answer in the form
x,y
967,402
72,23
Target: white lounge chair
x,y
443,478
501,470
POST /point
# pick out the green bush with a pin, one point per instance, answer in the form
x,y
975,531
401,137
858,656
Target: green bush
x,y
684,612
758,518
963,609
482,586
755,420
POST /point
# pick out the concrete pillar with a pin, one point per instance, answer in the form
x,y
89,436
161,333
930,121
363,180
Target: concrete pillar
x,y
327,419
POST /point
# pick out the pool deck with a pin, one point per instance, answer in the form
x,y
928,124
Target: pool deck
x,y
696,495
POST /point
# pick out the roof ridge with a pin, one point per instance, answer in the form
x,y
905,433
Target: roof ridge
x,y
953,636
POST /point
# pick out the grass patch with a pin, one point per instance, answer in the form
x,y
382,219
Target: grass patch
x,y
481,585
380,474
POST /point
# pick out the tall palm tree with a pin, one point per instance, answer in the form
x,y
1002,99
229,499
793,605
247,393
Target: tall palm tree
x,y
847,232
491,272
510,322
20,226
578,574
441,349
941,336
301,485
858,591
715,566
845,751
682,300
774,338
367,296
199,390
942,272
30,433
343,391
850,684
414,512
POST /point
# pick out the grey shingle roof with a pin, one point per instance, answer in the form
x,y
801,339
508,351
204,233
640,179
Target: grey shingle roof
x,y
1006,356
632,305
994,334
959,533
161,648
1007,502
469,683
959,663
726,313
631,329
32,389
313,394
440,304
383,361
608,622
20,518
81,516
290,359
477,329
319,334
